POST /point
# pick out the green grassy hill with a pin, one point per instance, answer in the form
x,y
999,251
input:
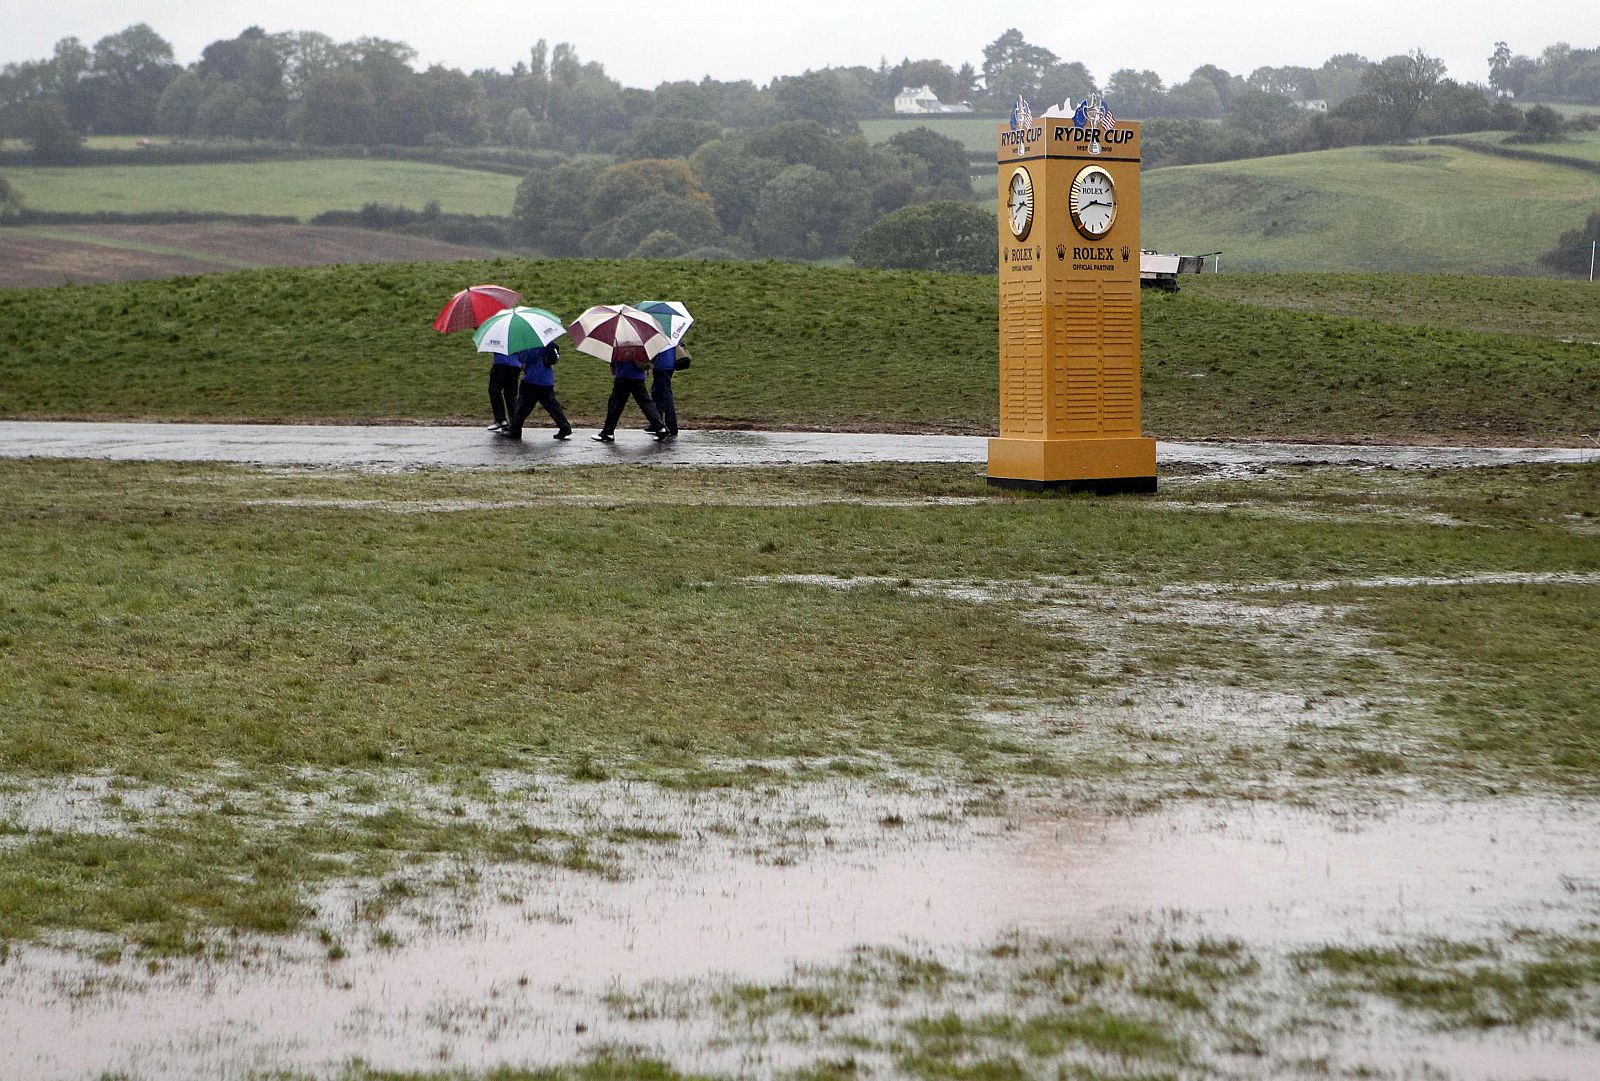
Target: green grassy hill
x,y
1412,209
301,189
780,345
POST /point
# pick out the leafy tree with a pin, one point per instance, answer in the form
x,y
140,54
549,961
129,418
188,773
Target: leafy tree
x,y
798,214
733,174
798,142
339,108
456,105
1012,67
1339,77
820,97
946,158
48,134
549,207
130,70
1540,124
1135,93
179,104
622,187
1402,85
690,221
949,236
1267,117
668,137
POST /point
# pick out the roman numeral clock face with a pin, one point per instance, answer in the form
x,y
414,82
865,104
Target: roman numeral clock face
x,y
1019,203
1093,202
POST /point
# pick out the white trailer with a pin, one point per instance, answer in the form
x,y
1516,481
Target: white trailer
x,y
1160,271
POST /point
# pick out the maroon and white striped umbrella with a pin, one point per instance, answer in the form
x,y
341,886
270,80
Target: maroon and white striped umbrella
x,y
618,332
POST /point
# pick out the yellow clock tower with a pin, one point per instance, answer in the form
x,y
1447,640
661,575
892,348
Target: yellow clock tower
x,y
1069,310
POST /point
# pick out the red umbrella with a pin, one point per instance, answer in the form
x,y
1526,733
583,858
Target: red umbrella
x,y
472,306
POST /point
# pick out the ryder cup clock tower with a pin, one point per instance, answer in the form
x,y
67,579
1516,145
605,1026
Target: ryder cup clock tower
x,y
1069,308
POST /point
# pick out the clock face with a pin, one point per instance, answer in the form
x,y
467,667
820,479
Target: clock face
x,y
1019,203
1093,202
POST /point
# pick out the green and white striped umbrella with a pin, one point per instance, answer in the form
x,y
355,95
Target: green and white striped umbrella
x,y
673,317
516,329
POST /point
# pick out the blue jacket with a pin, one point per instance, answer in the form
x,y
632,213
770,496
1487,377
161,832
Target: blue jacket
x,y
509,361
666,359
626,369
536,365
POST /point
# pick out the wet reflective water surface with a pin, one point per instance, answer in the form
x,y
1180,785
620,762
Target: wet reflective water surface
x,y
519,971
412,447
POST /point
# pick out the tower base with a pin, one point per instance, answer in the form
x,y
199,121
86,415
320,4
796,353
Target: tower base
x,y
1105,466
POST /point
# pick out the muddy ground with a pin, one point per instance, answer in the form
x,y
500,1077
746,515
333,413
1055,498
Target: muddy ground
x,y
86,254
1278,866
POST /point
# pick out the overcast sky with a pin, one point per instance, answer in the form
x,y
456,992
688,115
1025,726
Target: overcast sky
x,y
643,44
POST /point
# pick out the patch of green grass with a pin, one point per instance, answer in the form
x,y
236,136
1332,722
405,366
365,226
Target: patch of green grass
x,y
1530,306
1513,667
1417,209
778,346
977,134
300,189
1469,985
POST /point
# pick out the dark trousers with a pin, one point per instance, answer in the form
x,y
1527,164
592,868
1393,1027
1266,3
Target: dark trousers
x,y
503,379
533,394
621,391
661,394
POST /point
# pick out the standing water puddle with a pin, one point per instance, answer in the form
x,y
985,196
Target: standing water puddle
x,y
517,973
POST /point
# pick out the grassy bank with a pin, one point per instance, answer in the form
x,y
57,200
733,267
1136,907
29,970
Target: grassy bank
x,y
791,346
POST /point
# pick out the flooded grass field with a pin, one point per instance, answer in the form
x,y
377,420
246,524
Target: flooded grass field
x,y
824,772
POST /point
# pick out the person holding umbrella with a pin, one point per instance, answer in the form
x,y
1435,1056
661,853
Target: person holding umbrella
x,y
504,374
627,381
627,339
675,320
538,388
523,336
471,308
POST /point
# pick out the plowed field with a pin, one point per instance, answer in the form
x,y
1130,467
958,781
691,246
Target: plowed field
x,y
58,254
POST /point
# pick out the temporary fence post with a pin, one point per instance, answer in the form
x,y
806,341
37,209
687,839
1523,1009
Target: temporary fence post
x,y
1593,244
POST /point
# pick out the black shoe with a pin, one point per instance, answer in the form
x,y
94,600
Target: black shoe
x,y
565,433
662,434
497,426
507,433
603,437
669,433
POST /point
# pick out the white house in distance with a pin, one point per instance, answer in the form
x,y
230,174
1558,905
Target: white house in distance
x,y
922,99
1314,105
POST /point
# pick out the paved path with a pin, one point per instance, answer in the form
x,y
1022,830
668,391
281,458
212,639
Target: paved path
x,y
410,447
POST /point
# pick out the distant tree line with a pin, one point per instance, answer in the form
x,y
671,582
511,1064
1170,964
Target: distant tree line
x,y
1560,73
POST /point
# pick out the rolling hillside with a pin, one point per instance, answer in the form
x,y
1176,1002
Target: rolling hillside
x,y
1413,208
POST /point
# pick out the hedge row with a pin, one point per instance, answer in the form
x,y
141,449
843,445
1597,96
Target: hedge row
x,y
1499,151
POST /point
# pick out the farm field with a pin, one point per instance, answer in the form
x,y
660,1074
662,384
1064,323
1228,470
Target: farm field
x,y
300,189
973,132
287,770
354,343
1433,209
82,254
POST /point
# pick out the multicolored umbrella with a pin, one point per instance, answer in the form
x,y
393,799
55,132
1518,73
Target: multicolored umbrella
x,y
516,329
673,317
473,305
616,332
